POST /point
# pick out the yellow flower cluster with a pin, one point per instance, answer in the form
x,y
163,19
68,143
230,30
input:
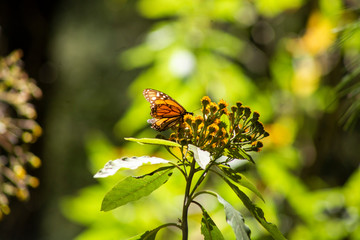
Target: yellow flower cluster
x,y
219,130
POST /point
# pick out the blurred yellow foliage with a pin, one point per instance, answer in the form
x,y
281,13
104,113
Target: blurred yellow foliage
x,y
282,133
319,35
17,129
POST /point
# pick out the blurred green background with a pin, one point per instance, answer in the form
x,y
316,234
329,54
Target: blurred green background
x,y
295,62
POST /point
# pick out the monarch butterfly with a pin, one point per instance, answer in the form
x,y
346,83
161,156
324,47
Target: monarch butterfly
x,y
166,112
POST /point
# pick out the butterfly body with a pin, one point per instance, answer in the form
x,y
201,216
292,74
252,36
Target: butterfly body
x,y
166,112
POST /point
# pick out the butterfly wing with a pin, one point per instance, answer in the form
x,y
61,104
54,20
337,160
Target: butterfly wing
x,y
162,105
166,112
161,124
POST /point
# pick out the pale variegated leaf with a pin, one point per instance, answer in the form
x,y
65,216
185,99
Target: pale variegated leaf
x,y
112,166
201,157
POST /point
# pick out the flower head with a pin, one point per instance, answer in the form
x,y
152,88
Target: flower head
x,y
213,107
198,120
222,104
213,128
209,132
205,101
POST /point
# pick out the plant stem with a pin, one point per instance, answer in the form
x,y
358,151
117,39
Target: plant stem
x,y
201,178
187,202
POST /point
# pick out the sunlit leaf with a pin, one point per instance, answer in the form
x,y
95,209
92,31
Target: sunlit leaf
x,y
148,235
235,220
352,190
136,57
111,167
240,179
134,188
161,8
201,157
238,153
273,8
155,141
209,229
256,212
151,234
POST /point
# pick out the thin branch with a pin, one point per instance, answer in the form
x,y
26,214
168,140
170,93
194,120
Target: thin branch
x,y
177,166
204,192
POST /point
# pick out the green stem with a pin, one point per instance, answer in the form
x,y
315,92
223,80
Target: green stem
x,y
204,192
187,202
203,175
200,180
169,151
168,225
188,198
177,166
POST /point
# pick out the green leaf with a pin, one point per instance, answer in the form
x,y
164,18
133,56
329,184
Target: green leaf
x,y
151,234
238,153
235,220
240,179
148,235
245,155
256,212
134,188
154,141
201,157
111,167
209,229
